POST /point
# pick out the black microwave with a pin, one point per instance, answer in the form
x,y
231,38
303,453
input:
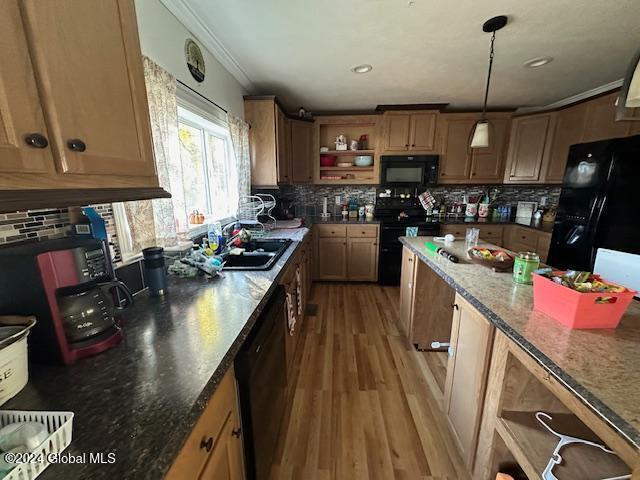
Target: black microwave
x,y
408,170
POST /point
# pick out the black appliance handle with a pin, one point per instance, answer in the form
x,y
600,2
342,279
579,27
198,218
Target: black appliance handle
x,y
118,285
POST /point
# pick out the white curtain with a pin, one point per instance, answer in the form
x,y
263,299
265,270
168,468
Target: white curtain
x,y
158,221
239,131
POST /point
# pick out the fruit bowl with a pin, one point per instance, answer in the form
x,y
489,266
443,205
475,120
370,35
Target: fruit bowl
x,y
496,259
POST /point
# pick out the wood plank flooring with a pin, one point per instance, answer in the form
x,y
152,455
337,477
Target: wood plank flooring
x,y
363,406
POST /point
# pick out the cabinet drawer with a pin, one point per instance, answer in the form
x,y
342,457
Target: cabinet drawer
x,y
458,231
332,230
524,236
362,231
192,458
490,233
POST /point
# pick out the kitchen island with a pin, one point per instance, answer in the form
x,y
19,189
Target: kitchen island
x,y
598,367
140,399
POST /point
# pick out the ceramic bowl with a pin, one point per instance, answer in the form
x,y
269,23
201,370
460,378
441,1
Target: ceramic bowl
x,y
363,160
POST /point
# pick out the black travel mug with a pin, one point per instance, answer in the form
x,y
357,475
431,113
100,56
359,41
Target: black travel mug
x,y
154,272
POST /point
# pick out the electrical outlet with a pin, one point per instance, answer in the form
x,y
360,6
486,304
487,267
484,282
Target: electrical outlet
x,y
543,201
337,199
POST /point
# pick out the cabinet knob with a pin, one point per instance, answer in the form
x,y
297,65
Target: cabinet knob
x,y
206,444
473,174
236,432
413,144
36,140
410,260
406,144
76,145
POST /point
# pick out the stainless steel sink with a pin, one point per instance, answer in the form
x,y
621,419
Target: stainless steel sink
x,y
259,255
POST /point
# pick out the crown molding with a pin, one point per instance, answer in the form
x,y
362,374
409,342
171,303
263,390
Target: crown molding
x,y
192,22
574,98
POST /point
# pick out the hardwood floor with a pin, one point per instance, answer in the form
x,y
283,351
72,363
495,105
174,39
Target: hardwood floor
x,y
363,406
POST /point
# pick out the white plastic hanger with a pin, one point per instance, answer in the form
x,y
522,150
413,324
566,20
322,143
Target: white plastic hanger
x,y
556,459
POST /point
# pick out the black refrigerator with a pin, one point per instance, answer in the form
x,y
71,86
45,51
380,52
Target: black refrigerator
x,y
599,205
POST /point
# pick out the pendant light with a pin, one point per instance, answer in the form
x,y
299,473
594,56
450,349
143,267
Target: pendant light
x,y
630,91
480,137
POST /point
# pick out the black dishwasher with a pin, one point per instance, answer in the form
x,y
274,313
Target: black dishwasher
x,y
262,379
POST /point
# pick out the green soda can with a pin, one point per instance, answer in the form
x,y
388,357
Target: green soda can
x,y
524,266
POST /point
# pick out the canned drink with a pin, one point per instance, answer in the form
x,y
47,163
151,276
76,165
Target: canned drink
x,y
524,266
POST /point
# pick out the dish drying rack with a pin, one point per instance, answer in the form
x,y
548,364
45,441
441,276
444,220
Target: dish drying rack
x,y
251,208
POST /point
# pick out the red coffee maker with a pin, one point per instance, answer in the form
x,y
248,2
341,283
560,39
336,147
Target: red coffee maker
x,y
69,286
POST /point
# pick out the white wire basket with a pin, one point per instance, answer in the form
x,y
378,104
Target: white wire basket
x,y
59,425
254,213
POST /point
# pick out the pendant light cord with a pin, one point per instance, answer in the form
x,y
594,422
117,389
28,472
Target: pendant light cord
x,y
486,91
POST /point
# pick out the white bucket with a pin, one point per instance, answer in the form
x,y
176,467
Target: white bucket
x,y
14,370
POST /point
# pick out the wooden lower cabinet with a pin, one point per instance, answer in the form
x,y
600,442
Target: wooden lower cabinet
x,y
332,258
517,388
469,355
362,259
523,239
488,233
347,252
213,450
407,275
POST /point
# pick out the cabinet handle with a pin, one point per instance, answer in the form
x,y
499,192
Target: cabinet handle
x,y
473,174
206,444
413,144
76,145
411,260
36,140
455,306
406,145
236,432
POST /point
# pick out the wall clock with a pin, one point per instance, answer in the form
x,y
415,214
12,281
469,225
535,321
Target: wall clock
x,y
195,60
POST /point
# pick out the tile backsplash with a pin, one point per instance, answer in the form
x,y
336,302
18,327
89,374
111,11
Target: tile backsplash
x,y
38,225
309,198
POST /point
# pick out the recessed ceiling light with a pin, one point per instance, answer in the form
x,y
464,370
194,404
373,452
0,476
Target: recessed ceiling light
x,y
364,68
538,62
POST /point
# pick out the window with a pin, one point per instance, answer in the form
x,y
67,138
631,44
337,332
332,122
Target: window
x,y
209,175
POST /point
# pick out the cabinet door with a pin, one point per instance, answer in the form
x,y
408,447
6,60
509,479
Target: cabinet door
x,y
89,68
455,162
487,164
528,148
225,460
332,261
396,137
362,259
423,132
471,341
301,151
569,128
600,123
283,147
20,112
406,290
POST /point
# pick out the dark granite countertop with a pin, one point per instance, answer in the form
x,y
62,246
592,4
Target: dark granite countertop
x,y
142,398
600,366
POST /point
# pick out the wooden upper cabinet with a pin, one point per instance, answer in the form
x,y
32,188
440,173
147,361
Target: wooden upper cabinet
x,y
396,131
87,60
487,164
21,116
283,146
422,132
569,128
410,132
600,123
529,148
269,142
455,161
301,151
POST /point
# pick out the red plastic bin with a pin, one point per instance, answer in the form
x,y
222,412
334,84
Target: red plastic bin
x,y
576,309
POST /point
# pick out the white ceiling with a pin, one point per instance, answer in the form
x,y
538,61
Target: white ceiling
x,y
434,51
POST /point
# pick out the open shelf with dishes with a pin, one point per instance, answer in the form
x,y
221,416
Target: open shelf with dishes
x,y
361,166
530,412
